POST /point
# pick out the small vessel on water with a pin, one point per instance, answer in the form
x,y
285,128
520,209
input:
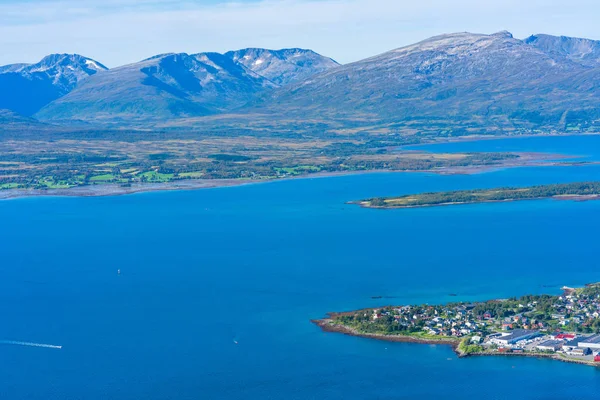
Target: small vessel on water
x,y
118,272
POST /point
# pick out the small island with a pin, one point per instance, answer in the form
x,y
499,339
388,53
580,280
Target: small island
x,y
564,327
564,191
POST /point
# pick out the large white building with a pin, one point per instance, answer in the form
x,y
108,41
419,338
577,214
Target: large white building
x,y
550,345
592,342
515,336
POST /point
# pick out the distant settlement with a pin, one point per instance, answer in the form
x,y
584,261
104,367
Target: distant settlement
x,y
565,327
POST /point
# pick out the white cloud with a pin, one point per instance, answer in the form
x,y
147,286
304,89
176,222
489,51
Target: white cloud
x,y
120,31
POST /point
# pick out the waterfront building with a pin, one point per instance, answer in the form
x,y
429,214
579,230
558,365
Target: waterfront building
x,y
550,345
579,351
515,336
591,342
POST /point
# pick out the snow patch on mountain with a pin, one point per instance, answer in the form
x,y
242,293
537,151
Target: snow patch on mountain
x,y
577,50
283,66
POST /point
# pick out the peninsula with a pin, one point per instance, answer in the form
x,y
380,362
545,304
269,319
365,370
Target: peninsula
x,y
565,191
564,327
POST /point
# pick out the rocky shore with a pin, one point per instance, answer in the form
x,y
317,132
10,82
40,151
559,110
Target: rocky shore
x,y
327,325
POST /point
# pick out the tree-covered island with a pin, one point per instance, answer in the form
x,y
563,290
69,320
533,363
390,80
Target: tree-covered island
x,y
564,327
579,191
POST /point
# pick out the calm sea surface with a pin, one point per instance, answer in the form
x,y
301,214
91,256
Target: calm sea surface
x,y
253,264
586,148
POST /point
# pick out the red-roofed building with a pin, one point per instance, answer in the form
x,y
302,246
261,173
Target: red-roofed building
x,y
566,336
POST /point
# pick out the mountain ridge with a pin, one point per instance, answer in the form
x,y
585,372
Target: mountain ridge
x,y
164,86
579,50
465,81
283,66
459,78
175,85
26,88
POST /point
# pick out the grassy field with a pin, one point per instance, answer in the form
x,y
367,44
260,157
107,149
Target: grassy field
x,y
9,186
299,170
103,178
68,159
155,176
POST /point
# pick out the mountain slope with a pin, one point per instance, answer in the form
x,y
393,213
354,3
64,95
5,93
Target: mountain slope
x,y
11,117
582,51
16,125
471,79
181,85
26,88
161,87
283,66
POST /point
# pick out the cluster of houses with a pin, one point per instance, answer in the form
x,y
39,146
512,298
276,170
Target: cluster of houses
x,y
520,331
572,309
457,321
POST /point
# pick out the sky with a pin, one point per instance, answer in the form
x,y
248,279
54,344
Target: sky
x,y
117,32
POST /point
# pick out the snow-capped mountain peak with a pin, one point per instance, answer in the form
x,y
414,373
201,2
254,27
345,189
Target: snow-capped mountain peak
x,y
40,83
63,70
283,66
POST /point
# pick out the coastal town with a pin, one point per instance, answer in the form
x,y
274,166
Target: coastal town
x,y
564,327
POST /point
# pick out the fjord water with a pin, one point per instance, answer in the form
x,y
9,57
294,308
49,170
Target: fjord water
x,y
202,270
585,148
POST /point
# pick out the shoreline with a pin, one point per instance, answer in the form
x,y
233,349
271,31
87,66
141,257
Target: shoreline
x,y
526,159
568,197
327,326
106,190
481,137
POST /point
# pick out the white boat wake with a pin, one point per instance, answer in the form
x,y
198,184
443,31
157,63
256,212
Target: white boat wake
x,y
16,343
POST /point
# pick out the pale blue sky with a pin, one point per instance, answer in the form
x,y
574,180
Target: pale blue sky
x,y
117,32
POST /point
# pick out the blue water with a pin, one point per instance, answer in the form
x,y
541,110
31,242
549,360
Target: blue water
x,y
586,148
253,264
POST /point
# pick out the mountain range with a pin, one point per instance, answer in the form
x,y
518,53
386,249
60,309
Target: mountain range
x,y
492,82
489,80
66,87
161,87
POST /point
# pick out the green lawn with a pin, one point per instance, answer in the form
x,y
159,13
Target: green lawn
x,y
9,186
50,183
102,178
153,176
300,169
58,185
